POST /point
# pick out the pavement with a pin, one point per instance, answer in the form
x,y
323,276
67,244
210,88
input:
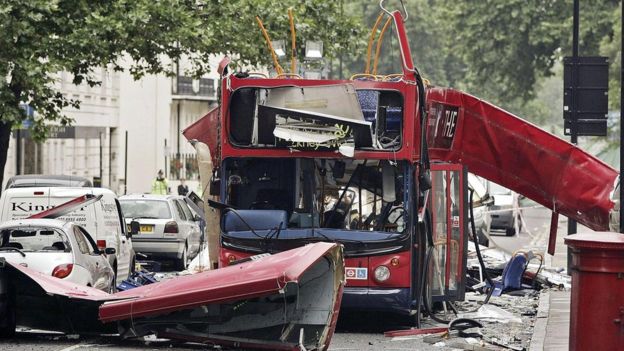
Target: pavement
x,y
551,330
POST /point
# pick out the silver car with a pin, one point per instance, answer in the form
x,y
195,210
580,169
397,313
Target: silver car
x,y
168,228
481,201
504,217
57,248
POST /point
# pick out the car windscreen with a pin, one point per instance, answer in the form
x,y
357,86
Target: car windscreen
x,y
150,209
35,239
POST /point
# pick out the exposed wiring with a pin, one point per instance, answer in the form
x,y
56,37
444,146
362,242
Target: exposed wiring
x,y
276,64
478,250
371,40
379,41
293,38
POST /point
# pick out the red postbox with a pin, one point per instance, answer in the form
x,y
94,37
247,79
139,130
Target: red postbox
x,y
597,305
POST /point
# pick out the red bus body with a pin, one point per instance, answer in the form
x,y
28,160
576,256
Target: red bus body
x,y
463,134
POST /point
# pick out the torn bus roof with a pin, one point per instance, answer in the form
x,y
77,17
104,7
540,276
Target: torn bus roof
x,y
68,207
48,303
276,302
205,130
516,154
288,301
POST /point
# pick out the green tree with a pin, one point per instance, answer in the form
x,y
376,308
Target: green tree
x,y
42,37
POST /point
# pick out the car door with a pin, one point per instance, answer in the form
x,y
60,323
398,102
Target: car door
x,y
194,231
183,223
125,264
82,255
95,262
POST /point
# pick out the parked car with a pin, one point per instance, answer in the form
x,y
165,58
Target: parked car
x,y
57,248
168,228
481,202
503,215
40,180
103,219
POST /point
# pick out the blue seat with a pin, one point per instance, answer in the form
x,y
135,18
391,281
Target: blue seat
x,y
369,99
511,278
235,221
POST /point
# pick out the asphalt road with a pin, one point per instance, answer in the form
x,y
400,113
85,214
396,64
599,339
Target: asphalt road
x,y
354,332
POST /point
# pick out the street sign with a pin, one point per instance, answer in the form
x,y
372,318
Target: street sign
x,y
586,127
585,97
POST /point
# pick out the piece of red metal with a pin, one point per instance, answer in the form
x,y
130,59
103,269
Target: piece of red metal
x,y
411,332
299,288
59,287
512,152
223,64
597,304
552,238
205,130
226,284
67,207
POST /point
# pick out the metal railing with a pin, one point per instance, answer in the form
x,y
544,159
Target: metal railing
x,y
187,86
183,166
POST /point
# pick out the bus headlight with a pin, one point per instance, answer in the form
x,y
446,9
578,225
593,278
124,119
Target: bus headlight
x,y
382,273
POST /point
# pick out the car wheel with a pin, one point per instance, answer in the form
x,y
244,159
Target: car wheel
x,y
8,321
510,231
183,261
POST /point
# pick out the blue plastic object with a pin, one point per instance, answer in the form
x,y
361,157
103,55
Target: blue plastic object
x,y
512,275
138,278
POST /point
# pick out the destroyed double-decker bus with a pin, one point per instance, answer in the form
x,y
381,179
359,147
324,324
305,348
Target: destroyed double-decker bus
x,y
378,163
305,160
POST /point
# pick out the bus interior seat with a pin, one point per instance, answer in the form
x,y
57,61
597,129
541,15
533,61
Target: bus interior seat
x,y
369,100
239,220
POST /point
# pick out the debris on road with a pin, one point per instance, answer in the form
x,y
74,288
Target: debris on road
x,y
284,301
136,279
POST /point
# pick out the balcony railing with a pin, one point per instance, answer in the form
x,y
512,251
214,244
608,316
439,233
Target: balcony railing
x,y
183,166
203,88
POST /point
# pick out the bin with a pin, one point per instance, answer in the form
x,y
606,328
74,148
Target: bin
x,y
597,300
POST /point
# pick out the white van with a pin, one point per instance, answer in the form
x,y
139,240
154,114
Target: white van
x,y
103,219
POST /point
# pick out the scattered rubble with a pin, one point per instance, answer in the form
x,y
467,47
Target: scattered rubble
x,y
507,320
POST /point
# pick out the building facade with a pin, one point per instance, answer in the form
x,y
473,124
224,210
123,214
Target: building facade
x,y
123,133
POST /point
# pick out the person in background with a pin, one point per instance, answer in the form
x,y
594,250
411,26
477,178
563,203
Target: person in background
x,y
182,188
160,185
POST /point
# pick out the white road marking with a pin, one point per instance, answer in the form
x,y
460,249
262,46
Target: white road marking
x,y
79,345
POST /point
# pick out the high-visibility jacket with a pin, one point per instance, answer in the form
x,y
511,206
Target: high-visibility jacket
x,y
160,186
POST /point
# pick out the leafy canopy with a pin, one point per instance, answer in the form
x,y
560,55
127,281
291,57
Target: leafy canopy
x,y
42,37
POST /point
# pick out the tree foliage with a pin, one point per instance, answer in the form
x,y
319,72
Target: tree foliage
x,y
42,37
504,51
